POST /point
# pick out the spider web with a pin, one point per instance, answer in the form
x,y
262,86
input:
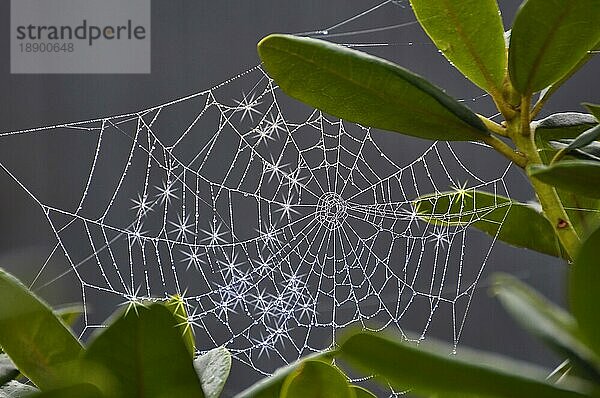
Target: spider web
x,y
277,230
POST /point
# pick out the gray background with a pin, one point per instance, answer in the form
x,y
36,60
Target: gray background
x,y
197,44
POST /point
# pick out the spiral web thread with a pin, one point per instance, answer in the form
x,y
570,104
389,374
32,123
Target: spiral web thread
x,y
277,233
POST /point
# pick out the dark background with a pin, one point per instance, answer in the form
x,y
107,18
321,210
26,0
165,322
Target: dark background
x,y
197,44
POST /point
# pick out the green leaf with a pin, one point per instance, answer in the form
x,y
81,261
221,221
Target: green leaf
x,y
549,38
428,369
34,338
87,372
8,371
14,389
360,392
584,139
69,314
562,126
594,109
213,369
554,326
361,88
515,223
548,91
470,34
583,290
578,176
145,352
270,387
316,379
589,152
83,390
177,307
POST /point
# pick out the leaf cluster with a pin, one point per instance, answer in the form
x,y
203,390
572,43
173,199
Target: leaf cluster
x,y
146,350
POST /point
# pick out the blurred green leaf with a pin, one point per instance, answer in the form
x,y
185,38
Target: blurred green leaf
x,y
456,29
177,307
583,290
428,369
594,109
14,389
554,326
145,352
34,338
549,38
360,392
515,223
361,88
8,371
82,371
83,390
270,387
578,176
213,369
316,379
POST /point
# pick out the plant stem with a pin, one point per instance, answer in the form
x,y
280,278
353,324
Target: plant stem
x,y
555,212
551,203
506,150
493,126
